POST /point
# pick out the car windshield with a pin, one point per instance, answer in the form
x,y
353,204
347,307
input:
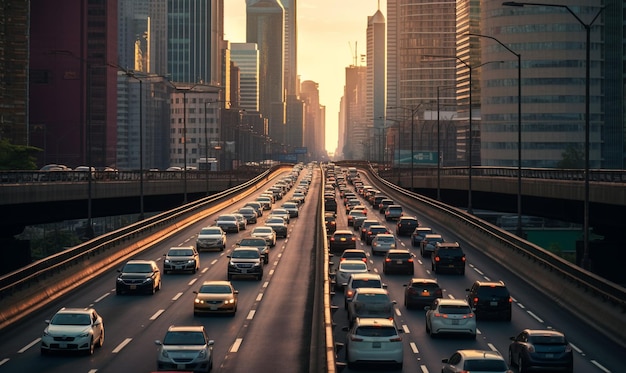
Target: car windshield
x,y
227,218
252,242
376,331
493,292
352,266
484,365
380,239
207,231
373,298
184,339
246,254
397,256
215,289
262,230
366,284
137,268
71,319
454,310
547,340
180,252
275,221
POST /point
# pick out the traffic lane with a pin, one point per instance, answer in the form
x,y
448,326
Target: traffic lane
x,y
29,340
595,350
278,336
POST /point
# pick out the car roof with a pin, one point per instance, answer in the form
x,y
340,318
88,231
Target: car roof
x,y
75,310
343,231
482,354
216,282
453,302
421,280
140,261
186,328
384,235
365,276
372,290
354,251
432,235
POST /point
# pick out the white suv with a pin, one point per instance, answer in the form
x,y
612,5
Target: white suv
x,y
374,340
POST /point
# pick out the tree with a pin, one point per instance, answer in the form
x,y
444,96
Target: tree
x,y
17,157
573,157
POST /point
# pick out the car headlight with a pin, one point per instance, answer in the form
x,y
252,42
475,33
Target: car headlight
x,y
202,354
119,279
191,261
164,353
149,279
257,264
229,301
166,261
83,335
199,301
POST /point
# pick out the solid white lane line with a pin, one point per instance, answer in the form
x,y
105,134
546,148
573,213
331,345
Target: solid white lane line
x,y
600,366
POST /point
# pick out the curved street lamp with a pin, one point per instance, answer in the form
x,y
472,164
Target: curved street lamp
x,y
587,27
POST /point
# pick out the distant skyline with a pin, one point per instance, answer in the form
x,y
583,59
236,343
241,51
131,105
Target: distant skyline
x,y
330,34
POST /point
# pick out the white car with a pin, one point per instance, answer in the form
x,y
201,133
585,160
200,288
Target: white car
x,y
453,316
265,232
475,361
347,268
382,243
374,340
292,208
281,213
185,348
73,329
211,237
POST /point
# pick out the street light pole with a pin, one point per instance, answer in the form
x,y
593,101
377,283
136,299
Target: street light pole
x,y
587,26
519,230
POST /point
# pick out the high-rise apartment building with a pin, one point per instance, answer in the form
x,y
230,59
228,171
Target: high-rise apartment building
x,y
79,126
355,142
376,83
246,57
265,21
314,130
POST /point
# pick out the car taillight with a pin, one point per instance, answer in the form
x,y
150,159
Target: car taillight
x,y
463,258
475,300
332,238
356,339
349,293
437,258
364,260
442,315
395,339
353,238
387,260
410,260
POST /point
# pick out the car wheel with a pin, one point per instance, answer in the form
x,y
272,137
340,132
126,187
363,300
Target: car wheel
x,y
90,350
101,339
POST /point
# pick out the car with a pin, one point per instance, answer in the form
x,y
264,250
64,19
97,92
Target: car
x,y
292,208
351,203
299,196
406,225
421,292
374,340
490,299
377,199
73,329
361,208
278,224
382,243
210,238
354,214
257,206
373,231
249,213
330,220
241,220
215,296
357,221
541,349
353,254
181,258
281,213
453,316
382,206
360,280
475,361
418,235
347,268
365,226
393,212
342,239
260,243
228,223
140,276
265,201
266,233
448,256
398,261
427,246
330,203
371,302
185,348
245,261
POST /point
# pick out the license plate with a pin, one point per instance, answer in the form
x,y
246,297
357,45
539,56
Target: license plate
x,y
549,356
455,322
62,345
451,265
493,303
426,293
398,262
179,267
213,308
133,287
244,271
375,344
342,239
180,366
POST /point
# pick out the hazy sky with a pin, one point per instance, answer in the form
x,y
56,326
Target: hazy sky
x,y
330,32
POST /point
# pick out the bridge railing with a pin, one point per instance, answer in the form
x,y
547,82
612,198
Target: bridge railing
x,y
592,293
39,271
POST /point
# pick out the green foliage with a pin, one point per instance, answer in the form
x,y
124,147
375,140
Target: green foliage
x,y
17,157
573,157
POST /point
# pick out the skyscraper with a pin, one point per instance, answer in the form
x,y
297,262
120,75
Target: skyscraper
x,y
265,26
376,81
246,57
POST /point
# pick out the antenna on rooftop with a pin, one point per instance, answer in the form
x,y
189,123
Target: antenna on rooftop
x,y
354,53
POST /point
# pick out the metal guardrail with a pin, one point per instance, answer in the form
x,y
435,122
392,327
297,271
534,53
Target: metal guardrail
x,y
44,268
586,280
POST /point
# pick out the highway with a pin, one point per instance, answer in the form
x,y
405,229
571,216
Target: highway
x,y
272,328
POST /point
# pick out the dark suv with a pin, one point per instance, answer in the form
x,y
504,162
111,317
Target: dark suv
x,y
406,225
490,298
330,219
398,261
448,256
